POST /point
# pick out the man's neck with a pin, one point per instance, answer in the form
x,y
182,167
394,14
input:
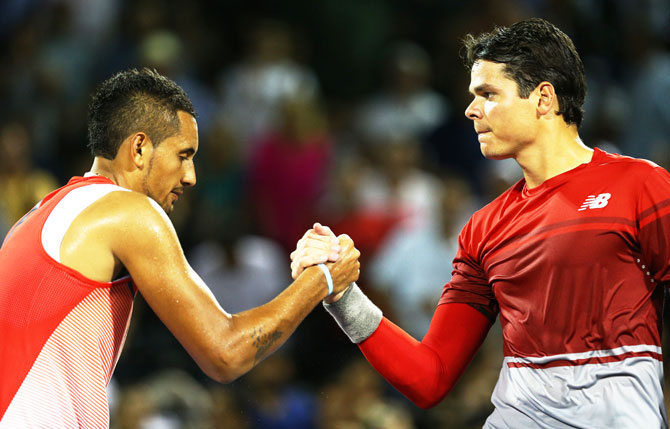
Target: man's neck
x,y
554,152
104,167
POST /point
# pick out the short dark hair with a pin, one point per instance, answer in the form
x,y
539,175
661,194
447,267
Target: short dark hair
x,y
131,101
534,51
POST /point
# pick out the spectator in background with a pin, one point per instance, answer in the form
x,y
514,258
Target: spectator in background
x,y
396,184
373,407
343,209
64,63
227,410
275,401
406,106
221,180
371,198
412,260
165,51
253,89
453,147
167,400
46,73
21,185
647,132
371,195
93,20
287,170
242,270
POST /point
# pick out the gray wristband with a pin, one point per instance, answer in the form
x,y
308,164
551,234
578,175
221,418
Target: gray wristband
x,y
356,314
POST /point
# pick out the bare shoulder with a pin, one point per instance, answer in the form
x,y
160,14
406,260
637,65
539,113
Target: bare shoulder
x,y
135,215
129,219
112,229
130,210
139,234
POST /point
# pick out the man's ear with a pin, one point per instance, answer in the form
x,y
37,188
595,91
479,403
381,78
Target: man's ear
x,y
546,98
140,149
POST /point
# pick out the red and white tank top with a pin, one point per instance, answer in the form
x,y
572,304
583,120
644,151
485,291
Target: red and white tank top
x,y
61,332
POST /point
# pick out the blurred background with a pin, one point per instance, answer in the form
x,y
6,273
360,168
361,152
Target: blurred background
x,y
346,112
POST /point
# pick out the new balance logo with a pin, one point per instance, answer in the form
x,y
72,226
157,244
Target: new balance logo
x,y
595,202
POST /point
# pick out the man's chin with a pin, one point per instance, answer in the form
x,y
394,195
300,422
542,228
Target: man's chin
x,y
166,206
491,154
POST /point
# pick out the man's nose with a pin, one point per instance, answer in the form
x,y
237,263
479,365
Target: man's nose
x,y
473,111
189,175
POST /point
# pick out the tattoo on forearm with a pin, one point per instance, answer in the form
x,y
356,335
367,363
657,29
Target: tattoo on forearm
x,y
263,342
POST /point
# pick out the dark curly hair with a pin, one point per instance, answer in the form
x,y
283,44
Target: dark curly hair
x,y
131,101
535,51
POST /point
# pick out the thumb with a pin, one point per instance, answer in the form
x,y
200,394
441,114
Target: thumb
x,y
323,230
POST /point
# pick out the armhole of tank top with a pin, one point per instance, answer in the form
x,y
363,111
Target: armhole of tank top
x,y
65,212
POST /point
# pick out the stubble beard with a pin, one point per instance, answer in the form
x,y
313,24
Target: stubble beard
x,y
167,208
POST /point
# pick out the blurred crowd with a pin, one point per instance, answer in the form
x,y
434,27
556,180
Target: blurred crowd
x,y
345,112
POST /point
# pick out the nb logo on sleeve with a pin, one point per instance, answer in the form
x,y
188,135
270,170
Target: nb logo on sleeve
x,y
595,202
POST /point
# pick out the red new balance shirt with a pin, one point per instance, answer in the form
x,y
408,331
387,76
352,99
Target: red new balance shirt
x,y
575,267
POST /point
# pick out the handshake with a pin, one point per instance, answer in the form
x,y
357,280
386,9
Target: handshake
x,y
319,245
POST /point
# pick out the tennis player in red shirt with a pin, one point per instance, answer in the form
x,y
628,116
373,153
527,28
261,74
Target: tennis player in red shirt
x,y
573,258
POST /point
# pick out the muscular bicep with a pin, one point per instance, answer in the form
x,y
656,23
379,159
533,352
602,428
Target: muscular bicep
x,y
148,246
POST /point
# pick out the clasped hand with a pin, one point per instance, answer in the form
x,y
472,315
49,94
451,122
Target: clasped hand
x,y
320,245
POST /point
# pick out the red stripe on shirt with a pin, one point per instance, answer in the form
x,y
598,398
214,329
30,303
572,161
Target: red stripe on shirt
x,y
586,361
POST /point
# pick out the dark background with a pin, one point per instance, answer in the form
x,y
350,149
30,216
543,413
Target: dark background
x,y
315,139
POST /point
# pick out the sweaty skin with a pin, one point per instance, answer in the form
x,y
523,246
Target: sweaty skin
x,y
127,230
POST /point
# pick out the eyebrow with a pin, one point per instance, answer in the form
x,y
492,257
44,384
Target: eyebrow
x,y
485,87
189,151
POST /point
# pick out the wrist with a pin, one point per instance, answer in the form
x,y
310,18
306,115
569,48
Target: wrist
x,y
355,313
329,278
316,279
332,299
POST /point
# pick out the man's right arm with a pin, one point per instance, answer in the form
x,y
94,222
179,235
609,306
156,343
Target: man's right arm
x,y
225,346
424,371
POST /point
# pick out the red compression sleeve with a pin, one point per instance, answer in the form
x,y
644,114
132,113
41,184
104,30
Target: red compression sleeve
x,y
426,371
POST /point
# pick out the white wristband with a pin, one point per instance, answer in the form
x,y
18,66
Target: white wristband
x,y
329,279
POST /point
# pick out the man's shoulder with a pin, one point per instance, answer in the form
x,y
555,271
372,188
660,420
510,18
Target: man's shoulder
x,y
123,221
125,199
628,172
129,205
123,209
629,164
